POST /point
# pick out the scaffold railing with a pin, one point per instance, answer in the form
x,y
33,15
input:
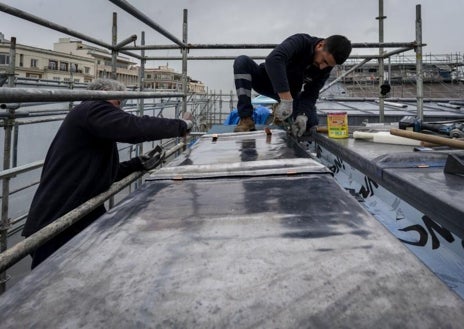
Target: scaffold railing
x,y
202,105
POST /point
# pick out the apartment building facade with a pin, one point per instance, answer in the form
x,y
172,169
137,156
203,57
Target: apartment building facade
x,y
38,63
127,70
73,61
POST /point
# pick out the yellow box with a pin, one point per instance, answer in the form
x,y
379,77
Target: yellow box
x,y
337,125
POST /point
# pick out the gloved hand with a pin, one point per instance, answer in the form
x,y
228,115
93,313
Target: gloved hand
x,y
299,125
187,118
153,158
284,109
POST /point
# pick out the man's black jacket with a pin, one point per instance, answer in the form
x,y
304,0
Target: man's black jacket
x,y
83,159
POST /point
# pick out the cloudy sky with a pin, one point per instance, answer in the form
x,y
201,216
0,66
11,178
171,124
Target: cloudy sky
x,y
241,21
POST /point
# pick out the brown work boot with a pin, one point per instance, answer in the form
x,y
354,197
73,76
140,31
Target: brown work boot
x,y
245,124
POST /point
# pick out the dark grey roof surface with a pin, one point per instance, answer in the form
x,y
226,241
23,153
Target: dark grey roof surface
x,y
283,250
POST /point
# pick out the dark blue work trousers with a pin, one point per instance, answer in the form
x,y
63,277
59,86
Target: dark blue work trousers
x,y
247,76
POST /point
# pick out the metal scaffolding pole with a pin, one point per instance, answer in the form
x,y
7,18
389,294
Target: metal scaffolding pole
x,y
23,248
140,102
8,126
114,41
191,46
142,17
5,222
381,63
184,62
344,75
419,72
51,25
22,95
37,20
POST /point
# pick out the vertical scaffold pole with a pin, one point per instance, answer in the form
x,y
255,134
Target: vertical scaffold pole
x,y
419,71
114,42
184,62
381,62
141,101
5,221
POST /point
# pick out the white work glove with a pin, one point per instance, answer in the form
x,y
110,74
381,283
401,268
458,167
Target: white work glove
x,y
284,109
189,124
299,125
187,118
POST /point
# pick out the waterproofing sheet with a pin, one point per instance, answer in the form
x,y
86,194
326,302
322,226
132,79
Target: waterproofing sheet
x,y
267,251
416,177
270,252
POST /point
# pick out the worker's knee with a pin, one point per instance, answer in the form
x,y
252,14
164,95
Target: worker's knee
x,y
243,64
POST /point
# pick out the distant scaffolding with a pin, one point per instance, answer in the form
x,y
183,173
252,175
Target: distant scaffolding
x,y
443,76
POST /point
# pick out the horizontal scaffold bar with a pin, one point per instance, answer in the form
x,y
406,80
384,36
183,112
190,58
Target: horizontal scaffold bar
x,y
265,46
19,95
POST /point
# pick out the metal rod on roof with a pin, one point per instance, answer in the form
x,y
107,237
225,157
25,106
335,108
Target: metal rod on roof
x,y
20,95
409,45
419,72
12,66
141,102
395,52
381,63
184,62
204,46
40,21
345,73
53,26
200,58
124,42
114,41
124,5
8,126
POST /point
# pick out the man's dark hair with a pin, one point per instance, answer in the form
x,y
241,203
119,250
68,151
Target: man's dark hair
x,y
339,46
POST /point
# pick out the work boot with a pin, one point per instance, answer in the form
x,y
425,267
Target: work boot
x,y
245,124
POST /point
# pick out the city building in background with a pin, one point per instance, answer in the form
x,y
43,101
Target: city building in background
x,y
38,63
71,60
167,79
127,70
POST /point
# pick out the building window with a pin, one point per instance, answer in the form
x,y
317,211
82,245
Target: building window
x,y
21,60
63,66
4,59
52,65
87,70
33,75
34,62
56,78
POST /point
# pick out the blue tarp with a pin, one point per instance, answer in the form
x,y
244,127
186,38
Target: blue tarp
x,y
260,116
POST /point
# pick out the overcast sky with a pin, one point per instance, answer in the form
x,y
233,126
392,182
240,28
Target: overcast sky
x,y
241,21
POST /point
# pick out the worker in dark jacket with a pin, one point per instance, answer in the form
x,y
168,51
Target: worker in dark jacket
x,y
83,161
293,74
